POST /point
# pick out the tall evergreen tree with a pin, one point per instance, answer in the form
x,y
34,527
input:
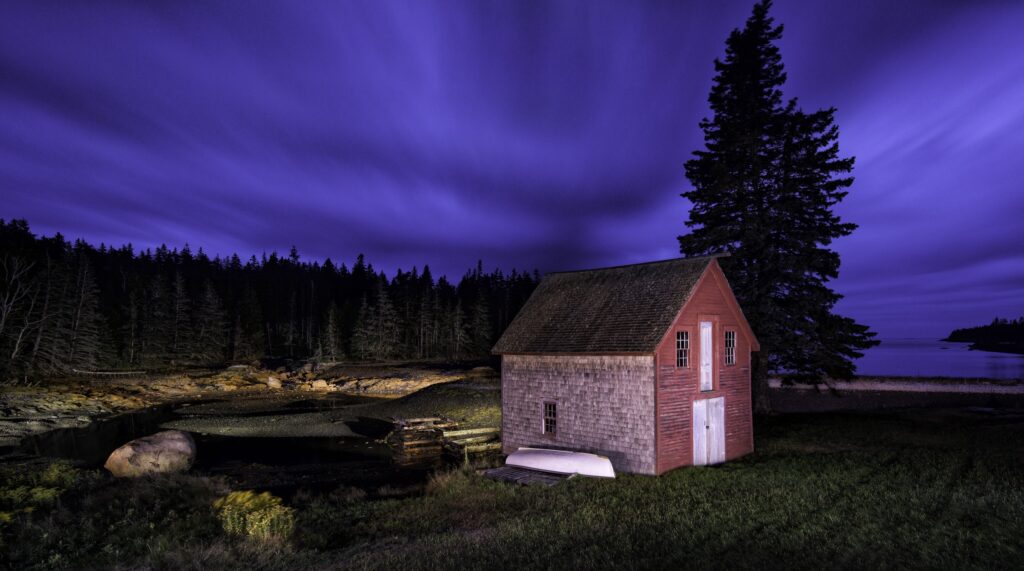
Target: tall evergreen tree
x,y
376,335
211,327
157,323
764,188
46,347
458,338
248,340
362,335
83,320
480,325
330,335
65,306
180,318
131,333
385,324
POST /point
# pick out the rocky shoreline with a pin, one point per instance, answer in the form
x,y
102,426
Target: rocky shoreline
x,y
76,402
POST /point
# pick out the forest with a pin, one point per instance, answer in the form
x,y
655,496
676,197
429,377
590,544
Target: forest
x,y
1003,335
67,307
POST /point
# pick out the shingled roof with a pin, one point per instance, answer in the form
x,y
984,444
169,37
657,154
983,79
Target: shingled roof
x,y
624,309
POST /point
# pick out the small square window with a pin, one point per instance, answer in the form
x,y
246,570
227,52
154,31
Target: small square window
x,y
550,418
730,347
682,349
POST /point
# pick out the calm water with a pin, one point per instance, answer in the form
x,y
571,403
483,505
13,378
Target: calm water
x,y
281,464
932,358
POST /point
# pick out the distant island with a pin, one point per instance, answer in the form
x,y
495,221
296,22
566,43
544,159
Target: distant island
x,y
1002,335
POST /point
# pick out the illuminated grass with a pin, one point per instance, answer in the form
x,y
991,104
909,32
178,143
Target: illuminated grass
x,y
918,490
474,403
885,491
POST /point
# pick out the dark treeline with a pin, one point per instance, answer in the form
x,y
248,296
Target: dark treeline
x,y
1006,335
71,306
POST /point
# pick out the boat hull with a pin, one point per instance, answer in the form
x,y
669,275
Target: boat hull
x,y
562,462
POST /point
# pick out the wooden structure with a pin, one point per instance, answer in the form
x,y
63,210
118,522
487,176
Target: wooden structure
x,y
463,443
425,440
526,477
647,364
418,440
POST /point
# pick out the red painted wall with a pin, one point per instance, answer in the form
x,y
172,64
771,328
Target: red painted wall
x,y
678,387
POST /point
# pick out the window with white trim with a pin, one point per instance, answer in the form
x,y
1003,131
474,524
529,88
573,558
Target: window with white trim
x,y
682,348
730,347
550,417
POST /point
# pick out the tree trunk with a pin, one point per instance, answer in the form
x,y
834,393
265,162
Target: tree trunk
x,y
759,383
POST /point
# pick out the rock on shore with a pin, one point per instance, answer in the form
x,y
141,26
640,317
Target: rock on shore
x,y
163,452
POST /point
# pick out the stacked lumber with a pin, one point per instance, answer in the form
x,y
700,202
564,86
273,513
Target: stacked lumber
x,y
423,440
462,443
418,440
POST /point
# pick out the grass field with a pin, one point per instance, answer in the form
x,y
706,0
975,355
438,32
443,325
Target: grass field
x,y
927,489
474,403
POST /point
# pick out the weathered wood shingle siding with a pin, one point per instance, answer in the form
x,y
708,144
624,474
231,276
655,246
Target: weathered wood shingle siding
x,y
678,387
605,405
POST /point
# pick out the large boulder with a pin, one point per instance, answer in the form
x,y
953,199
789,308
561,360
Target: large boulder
x,y
163,452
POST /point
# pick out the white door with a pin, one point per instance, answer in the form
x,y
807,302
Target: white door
x,y
700,432
706,360
709,431
716,430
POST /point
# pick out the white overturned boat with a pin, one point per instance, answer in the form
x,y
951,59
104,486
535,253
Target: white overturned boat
x,y
561,462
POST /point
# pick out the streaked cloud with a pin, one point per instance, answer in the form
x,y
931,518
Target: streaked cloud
x,y
549,135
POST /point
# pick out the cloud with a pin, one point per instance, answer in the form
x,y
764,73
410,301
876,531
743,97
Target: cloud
x,y
547,135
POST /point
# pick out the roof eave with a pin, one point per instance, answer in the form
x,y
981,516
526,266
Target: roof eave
x,y
574,353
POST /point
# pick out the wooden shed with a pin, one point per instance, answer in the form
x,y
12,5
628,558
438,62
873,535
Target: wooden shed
x,y
647,364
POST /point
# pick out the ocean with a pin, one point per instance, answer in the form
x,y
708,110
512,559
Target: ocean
x,y
933,358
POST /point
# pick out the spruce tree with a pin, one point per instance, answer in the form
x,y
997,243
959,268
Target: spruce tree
x,y
385,322
330,335
458,344
248,339
72,306
211,329
480,325
362,336
180,319
763,191
426,328
131,333
83,321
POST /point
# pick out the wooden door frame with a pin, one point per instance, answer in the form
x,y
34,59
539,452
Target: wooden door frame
x,y
705,402
715,350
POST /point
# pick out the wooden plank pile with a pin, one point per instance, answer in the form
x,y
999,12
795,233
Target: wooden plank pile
x,y
423,440
418,440
462,443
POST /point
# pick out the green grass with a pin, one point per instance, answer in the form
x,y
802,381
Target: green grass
x,y
918,490
475,403
851,491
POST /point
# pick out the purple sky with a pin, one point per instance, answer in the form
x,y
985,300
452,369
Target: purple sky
x,y
528,134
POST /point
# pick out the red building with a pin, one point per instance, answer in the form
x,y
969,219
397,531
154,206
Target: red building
x,y
647,364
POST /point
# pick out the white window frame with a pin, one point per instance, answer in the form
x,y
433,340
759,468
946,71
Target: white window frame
x,y
545,417
682,349
730,348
